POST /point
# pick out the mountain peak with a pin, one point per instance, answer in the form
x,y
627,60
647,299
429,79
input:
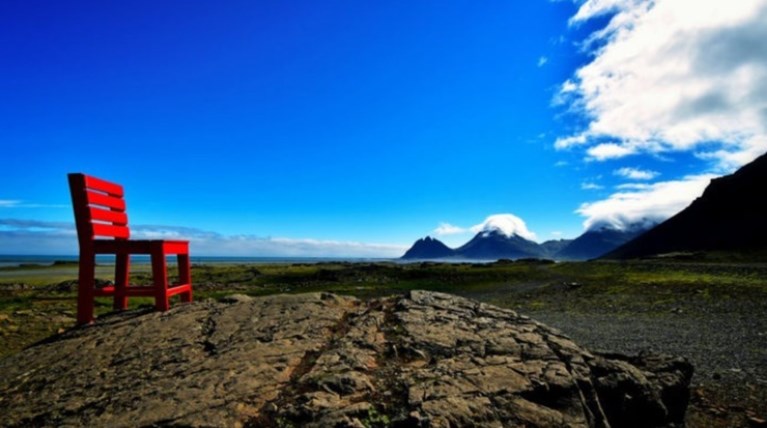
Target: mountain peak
x,y
507,225
428,248
495,244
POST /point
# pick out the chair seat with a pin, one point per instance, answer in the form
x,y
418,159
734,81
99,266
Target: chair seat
x,y
133,246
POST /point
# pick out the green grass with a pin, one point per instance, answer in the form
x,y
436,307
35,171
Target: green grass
x,y
527,286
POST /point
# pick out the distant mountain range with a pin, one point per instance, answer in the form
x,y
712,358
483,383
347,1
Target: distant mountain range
x,y
730,216
494,244
486,245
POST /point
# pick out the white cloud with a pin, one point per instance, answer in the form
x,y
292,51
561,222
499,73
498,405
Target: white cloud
x,y
568,87
449,229
636,173
60,227
633,186
560,164
565,94
557,234
37,237
567,142
289,247
651,203
8,203
42,237
542,61
672,75
507,224
731,160
588,185
14,203
605,151
593,8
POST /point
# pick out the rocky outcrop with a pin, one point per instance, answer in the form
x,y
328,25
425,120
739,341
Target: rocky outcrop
x,y
425,359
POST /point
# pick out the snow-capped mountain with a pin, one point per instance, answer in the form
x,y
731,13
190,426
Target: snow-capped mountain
x,y
495,244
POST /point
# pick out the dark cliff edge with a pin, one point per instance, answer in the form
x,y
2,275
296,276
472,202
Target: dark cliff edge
x,y
730,216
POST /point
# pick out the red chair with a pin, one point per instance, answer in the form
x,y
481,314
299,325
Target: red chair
x,y
100,213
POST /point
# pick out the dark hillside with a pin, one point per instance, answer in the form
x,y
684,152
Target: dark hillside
x,y
730,216
428,248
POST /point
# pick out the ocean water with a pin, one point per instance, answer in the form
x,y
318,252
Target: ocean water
x,y
47,260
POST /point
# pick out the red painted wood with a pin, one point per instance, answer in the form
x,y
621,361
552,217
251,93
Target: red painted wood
x,y
185,275
122,281
115,217
80,204
160,280
85,287
122,232
176,247
137,246
107,187
90,197
105,201
147,291
104,291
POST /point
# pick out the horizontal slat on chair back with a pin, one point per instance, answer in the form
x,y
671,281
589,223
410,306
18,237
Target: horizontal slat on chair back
x,y
115,217
99,208
120,232
117,204
112,189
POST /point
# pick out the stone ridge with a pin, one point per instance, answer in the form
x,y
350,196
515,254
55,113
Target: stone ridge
x,y
422,360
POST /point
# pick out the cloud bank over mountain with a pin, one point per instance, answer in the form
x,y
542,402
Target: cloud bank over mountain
x,y
651,203
506,223
667,77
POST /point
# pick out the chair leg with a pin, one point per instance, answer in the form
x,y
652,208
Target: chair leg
x,y
85,295
185,276
122,276
160,277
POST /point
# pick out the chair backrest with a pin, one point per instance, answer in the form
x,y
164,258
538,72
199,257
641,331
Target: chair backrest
x,y
99,209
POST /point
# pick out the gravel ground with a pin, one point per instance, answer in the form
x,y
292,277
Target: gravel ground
x,y
719,323
721,330
727,345
730,347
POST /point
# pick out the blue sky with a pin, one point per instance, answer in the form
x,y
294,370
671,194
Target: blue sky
x,y
348,128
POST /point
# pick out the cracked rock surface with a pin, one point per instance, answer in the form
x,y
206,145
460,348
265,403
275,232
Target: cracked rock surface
x,y
422,360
